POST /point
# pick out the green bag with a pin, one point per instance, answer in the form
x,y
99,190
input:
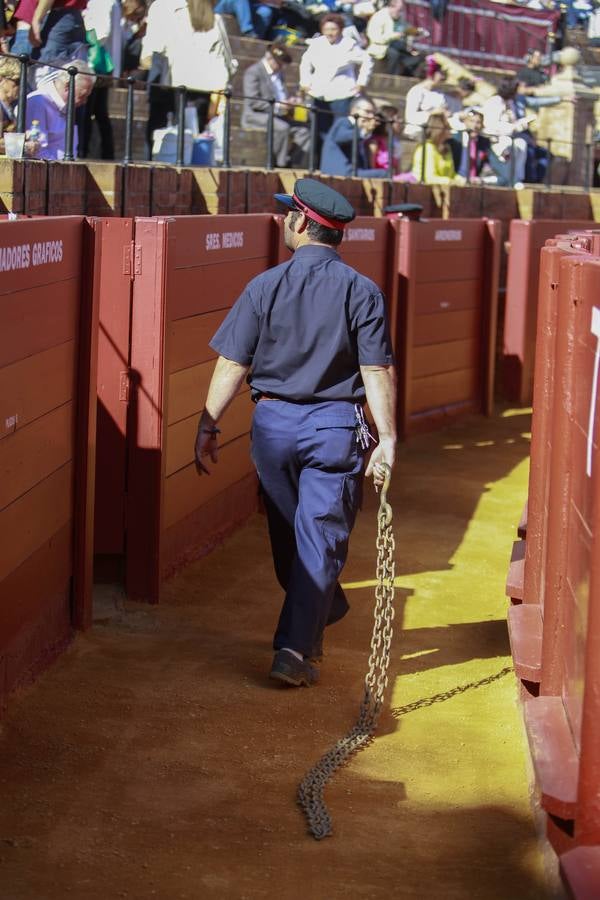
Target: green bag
x,y
98,56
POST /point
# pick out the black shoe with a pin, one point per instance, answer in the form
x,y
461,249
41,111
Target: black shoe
x,y
287,667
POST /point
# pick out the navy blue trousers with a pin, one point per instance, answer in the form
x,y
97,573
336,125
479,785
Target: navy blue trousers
x,y
310,469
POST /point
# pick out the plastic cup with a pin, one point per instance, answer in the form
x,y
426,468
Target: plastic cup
x,y
14,143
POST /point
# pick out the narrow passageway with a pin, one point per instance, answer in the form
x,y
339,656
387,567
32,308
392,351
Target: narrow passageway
x,y
155,758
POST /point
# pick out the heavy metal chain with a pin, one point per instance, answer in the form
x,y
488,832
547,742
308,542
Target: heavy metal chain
x,y
310,791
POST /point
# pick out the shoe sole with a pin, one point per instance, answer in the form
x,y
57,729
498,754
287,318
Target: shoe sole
x,y
296,682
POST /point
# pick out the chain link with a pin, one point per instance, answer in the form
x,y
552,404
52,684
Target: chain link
x,y
311,789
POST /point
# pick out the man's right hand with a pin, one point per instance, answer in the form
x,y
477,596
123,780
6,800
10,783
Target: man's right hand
x,y
35,33
384,452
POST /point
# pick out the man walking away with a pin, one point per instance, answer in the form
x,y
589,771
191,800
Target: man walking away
x,y
311,337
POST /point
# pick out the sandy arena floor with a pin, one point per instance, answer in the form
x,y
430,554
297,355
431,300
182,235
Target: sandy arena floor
x,y
155,758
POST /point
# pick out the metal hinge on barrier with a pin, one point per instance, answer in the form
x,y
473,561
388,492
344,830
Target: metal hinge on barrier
x,y
132,259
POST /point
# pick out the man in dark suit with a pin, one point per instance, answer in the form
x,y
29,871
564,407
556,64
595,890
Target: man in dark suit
x,y
472,152
336,155
264,81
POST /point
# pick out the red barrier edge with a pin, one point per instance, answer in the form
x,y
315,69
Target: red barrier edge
x,y
83,543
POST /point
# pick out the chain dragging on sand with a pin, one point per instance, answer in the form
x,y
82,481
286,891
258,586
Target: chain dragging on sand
x,y
310,791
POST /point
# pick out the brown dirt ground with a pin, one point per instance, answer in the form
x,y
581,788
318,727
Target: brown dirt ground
x,y
155,759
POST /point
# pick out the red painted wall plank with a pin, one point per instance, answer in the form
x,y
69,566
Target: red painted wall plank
x,y
181,435
441,390
36,385
28,522
185,491
38,318
32,453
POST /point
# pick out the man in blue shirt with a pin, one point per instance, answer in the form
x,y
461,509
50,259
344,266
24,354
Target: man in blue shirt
x,y
336,155
311,337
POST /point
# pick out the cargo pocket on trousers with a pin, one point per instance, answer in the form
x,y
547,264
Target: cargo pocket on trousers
x,y
337,444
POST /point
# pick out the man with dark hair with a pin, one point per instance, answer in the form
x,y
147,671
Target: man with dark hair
x,y
473,154
311,338
264,81
531,74
336,155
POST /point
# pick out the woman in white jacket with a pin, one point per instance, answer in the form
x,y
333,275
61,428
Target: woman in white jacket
x,y
333,71
191,39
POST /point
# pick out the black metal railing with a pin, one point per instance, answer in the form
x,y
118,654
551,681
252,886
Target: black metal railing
x,y
587,159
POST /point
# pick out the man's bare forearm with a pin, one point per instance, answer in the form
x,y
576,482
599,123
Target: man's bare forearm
x,y
224,385
380,385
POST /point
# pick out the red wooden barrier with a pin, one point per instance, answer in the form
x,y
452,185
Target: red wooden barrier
x,y
48,324
190,271
520,314
446,328
561,609
115,287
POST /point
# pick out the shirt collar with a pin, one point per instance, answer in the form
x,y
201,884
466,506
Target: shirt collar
x,y
317,250
49,89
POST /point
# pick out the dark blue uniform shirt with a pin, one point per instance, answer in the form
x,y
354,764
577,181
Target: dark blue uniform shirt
x,y
305,327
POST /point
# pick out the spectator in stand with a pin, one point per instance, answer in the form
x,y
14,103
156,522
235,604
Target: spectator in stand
x,y
10,77
423,100
242,10
133,26
504,123
378,143
333,71
187,43
336,156
432,160
538,157
531,74
21,22
456,103
103,18
265,81
474,158
58,31
387,32
48,105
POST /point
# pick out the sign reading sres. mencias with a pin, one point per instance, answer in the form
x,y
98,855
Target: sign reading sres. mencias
x,y
24,256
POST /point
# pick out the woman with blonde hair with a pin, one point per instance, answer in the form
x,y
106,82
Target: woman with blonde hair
x,y
433,159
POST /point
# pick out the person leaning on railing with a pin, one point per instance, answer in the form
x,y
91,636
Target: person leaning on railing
x,y
10,77
338,147
48,105
185,44
438,164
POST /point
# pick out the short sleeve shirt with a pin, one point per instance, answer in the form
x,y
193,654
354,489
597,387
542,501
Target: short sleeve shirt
x,y
305,328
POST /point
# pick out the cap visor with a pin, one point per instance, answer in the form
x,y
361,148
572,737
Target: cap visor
x,y
286,199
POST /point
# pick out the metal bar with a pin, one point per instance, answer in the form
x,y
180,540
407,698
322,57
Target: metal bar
x,y
22,110
181,100
355,136
270,133
512,161
549,169
227,129
423,152
128,157
70,119
312,150
588,167
390,140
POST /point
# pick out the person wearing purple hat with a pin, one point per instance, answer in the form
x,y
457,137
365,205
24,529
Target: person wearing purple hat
x,y
311,338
